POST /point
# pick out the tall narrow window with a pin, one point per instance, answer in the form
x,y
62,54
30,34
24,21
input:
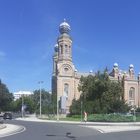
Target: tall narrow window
x,y
66,49
66,89
132,93
132,96
61,49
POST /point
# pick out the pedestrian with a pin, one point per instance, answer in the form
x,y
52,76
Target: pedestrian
x,y
85,116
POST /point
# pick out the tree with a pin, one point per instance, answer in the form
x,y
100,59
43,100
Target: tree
x,y
5,97
46,101
100,95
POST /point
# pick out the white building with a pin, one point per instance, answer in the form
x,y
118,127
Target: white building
x,y
19,94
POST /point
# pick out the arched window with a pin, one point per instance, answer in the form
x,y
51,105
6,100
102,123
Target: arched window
x,y
132,93
66,49
66,89
61,49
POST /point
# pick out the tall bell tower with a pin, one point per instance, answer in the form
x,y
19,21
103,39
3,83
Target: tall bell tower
x,y
63,69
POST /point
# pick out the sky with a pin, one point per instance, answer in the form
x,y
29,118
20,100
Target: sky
x,y
103,32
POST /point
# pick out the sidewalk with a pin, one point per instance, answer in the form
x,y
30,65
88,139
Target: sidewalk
x,y
103,127
10,129
2,126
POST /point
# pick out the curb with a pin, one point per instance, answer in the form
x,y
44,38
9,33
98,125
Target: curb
x,y
2,126
84,123
16,130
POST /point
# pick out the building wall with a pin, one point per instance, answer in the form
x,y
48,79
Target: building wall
x,y
127,87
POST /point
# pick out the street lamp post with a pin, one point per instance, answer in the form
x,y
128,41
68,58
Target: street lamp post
x,y
81,111
22,108
57,108
139,89
134,113
40,82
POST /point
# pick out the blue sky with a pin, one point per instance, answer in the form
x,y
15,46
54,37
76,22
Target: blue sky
x,y
103,32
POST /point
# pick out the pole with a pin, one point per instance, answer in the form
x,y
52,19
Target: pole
x,y
134,117
40,82
57,109
22,108
139,90
81,110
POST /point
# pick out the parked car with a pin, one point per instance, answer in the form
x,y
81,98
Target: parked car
x,y
7,115
1,114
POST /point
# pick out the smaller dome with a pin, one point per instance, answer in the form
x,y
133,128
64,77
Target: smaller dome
x,y
56,47
125,72
64,27
115,65
90,71
131,66
75,70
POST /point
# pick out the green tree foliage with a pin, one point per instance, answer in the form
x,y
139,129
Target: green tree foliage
x,y
32,102
76,107
46,101
100,95
27,101
5,98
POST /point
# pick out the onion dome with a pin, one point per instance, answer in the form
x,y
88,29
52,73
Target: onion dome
x,y
90,71
64,27
125,72
115,65
131,66
56,47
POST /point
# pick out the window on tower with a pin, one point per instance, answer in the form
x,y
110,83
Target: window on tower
x,y
61,49
66,49
66,89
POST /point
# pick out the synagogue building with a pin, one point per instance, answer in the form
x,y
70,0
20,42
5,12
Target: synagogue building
x,y
65,77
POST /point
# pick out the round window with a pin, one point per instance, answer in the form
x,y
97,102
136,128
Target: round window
x,y
66,69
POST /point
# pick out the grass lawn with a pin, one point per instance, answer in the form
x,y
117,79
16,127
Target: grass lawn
x,y
100,118
104,118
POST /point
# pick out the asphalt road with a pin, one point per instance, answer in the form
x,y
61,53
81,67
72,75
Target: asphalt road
x,y
57,131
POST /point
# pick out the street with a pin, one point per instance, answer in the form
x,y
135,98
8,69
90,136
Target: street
x,y
57,131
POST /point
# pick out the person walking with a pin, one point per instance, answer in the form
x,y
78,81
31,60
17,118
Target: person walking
x,y
85,116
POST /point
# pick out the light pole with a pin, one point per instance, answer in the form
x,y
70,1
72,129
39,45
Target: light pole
x,y
57,108
22,108
139,89
134,113
81,110
40,82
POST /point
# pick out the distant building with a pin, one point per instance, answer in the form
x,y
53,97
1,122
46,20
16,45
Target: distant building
x,y
19,94
65,78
